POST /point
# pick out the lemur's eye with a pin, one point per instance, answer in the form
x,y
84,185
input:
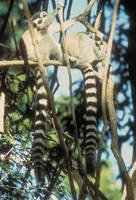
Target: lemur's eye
x,y
40,21
34,25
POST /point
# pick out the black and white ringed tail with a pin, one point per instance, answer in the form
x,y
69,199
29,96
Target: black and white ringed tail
x,y
39,129
91,119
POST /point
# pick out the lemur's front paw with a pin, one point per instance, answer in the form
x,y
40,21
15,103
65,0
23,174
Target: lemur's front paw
x,y
103,55
74,61
104,62
59,6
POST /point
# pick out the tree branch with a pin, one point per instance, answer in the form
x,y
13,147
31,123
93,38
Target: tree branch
x,y
132,175
103,101
114,143
71,97
6,63
82,19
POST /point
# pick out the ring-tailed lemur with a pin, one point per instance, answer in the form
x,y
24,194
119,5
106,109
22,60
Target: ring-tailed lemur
x,y
49,49
87,49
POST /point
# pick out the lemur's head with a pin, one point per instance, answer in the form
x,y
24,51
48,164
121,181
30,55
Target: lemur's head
x,y
38,18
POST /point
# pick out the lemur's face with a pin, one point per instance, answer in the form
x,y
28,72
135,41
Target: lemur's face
x,y
38,18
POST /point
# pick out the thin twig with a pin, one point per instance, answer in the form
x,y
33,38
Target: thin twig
x,y
2,110
99,192
97,21
87,10
52,183
73,191
98,165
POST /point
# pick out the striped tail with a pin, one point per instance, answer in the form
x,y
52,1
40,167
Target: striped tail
x,y
91,112
39,128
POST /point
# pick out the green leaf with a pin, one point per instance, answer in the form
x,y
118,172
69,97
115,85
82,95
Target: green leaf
x,y
22,77
16,175
69,136
8,139
4,166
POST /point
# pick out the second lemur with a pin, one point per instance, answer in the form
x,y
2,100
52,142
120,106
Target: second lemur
x,y
85,50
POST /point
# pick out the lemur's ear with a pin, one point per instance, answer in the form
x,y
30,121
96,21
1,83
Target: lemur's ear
x,y
43,14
